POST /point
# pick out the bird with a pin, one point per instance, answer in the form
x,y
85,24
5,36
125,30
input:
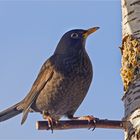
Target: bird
x,y
62,83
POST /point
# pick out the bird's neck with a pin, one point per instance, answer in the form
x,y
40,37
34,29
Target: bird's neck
x,y
79,56
69,48
71,52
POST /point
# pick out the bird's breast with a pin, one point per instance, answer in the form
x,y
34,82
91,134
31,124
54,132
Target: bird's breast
x,y
68,86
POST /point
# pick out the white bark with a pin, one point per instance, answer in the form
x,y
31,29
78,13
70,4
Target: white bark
x,y
132,110
131,26
131,18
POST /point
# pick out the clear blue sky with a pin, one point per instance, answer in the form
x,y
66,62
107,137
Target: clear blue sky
x,y
29,33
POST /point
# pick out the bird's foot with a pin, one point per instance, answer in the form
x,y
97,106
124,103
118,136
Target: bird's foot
x,y
50,120
91,120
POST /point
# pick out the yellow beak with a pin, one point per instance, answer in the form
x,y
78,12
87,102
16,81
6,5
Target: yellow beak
x,y
90,31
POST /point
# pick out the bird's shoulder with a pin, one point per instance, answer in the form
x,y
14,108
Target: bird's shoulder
x,y
44,73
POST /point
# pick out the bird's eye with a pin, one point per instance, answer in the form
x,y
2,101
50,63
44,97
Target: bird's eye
x,y
74,35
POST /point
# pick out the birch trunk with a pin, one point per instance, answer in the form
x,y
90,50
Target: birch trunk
x,y
130,70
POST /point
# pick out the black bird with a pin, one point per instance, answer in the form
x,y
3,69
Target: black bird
x,y
62,83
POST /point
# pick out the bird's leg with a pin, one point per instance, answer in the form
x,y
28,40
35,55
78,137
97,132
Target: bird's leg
x,y
89,118
50,120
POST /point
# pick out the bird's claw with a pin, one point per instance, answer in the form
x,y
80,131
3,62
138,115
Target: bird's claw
x,y
94,122
50,120
50,123
91,120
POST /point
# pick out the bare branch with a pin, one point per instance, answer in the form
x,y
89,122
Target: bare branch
x,y
76,124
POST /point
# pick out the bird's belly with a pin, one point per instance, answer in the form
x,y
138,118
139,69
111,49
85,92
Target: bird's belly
x,y
63,95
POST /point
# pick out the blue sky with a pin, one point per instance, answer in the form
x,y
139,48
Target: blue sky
x,y
29,33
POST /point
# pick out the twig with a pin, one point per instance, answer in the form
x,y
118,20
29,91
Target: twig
x,y
76,124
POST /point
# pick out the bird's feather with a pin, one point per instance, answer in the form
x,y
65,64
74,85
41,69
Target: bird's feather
x,y
44,76
10,112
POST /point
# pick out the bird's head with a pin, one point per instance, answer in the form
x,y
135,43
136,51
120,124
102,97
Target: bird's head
x,y
73,40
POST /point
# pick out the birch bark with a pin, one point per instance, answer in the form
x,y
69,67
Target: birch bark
x,y
130,70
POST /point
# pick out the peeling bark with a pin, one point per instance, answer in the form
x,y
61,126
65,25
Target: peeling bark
x,y
130,71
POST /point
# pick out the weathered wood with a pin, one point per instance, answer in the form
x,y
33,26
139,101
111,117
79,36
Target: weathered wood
x,y
78,124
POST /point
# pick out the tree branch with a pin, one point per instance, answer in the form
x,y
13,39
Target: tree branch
x,y
76,124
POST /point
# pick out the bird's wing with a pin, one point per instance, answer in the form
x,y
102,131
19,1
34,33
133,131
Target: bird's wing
x,y
44,76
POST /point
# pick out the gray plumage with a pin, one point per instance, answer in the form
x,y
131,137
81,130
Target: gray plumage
x,y
63,80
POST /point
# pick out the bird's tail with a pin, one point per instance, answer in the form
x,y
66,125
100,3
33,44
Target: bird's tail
x,y
10,112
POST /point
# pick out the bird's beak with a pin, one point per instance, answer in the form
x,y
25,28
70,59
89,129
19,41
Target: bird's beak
x,y
90,31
